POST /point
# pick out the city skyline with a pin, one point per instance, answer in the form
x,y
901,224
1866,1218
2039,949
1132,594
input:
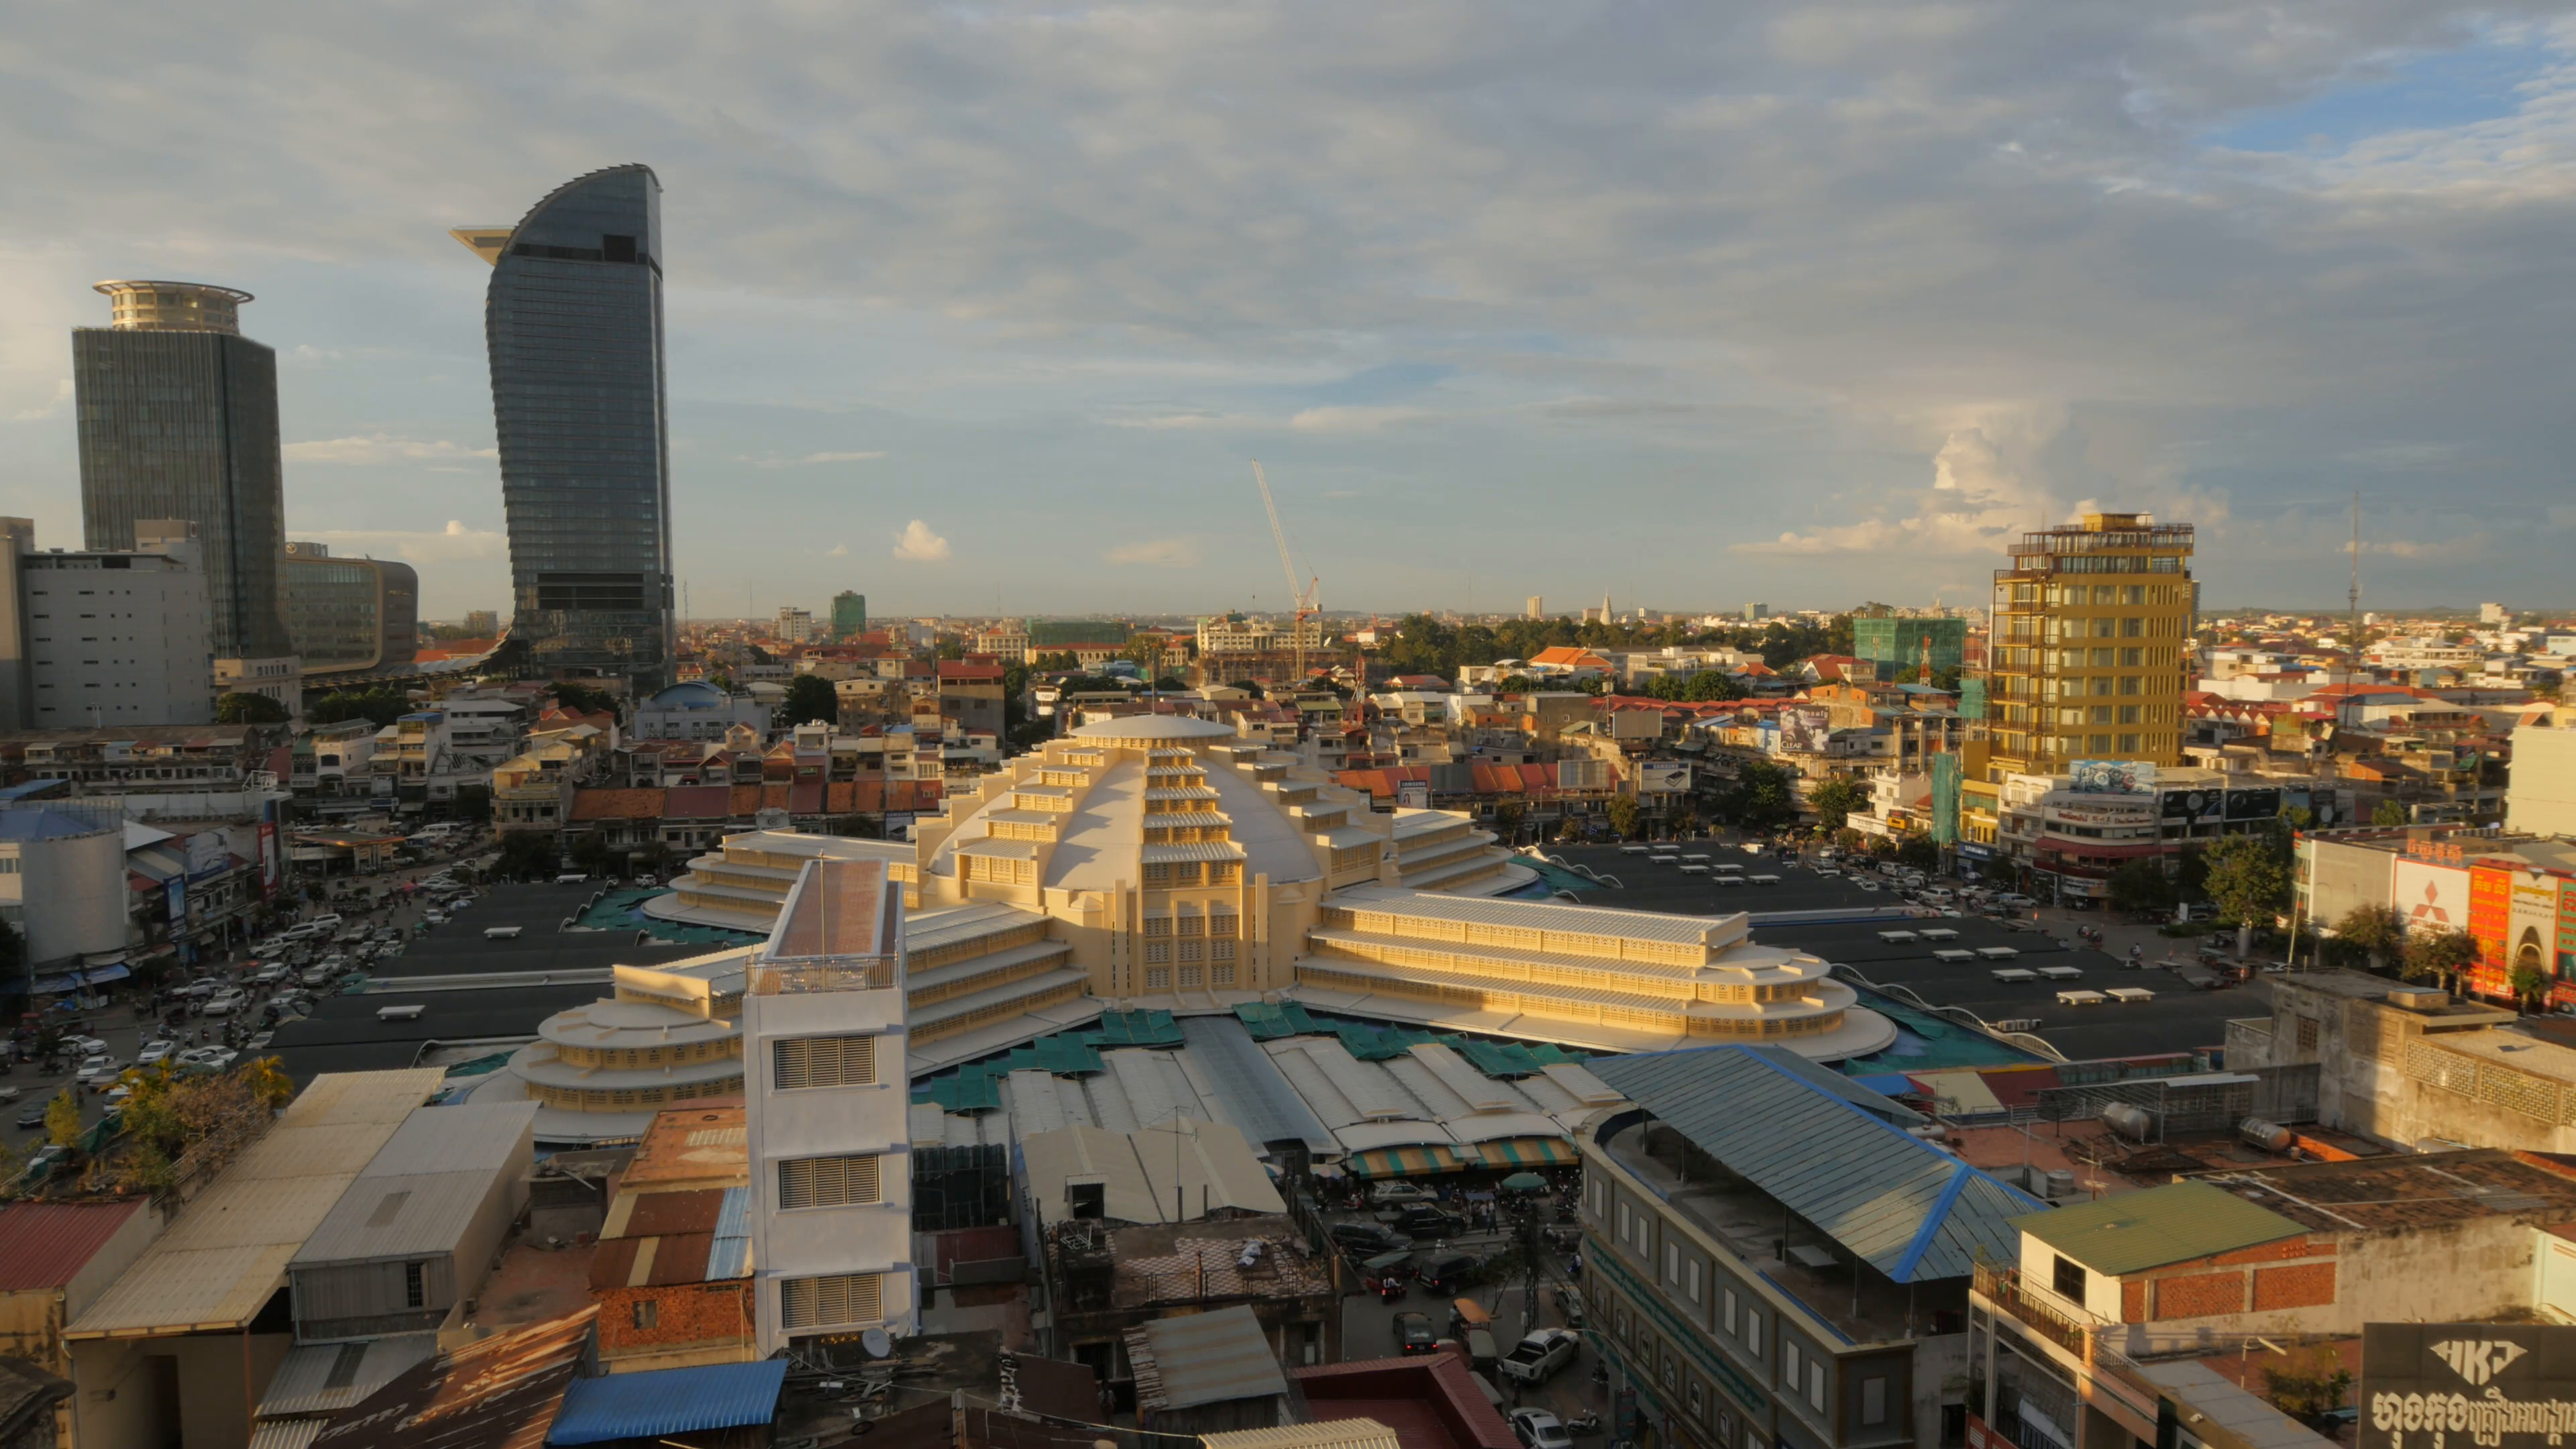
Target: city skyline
x,y
1819,312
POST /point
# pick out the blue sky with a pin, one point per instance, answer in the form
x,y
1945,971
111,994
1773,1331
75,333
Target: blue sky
x,y
1806,303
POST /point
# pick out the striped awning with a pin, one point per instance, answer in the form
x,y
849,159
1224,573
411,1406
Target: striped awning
x,y
1402,1162
1529,1152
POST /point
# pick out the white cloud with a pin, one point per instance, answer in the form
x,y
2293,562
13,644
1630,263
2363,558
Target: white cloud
x,y
1355,420
919,545
61,399
1168,553
454,543
382,448
1184,422
838,550
777,461
1976,502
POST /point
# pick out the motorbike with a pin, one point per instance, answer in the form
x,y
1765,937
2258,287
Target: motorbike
x,y
1390,1289
1586,1422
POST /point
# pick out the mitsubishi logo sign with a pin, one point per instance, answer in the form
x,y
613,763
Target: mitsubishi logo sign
x,y
2466,1386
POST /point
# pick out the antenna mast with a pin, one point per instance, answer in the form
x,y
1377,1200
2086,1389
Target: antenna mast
x,y
2352,596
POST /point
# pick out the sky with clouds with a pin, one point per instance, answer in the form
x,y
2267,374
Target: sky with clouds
x,y
988,308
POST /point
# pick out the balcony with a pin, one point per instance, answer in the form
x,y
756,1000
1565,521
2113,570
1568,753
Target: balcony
x,y
840,930
823,973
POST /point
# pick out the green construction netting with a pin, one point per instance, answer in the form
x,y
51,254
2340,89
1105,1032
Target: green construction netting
x,y
1267,1022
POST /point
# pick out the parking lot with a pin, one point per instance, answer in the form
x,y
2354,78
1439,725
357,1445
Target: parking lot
x,y
2177,1017
464,945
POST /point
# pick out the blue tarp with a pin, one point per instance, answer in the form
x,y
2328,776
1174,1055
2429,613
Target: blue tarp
x,y
669,1401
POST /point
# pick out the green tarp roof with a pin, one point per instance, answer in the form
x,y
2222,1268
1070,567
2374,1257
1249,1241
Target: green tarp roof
x,y
2134,1231
1267,1022
1135,1029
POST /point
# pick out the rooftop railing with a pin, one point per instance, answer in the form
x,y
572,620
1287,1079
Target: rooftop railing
x,y
806,976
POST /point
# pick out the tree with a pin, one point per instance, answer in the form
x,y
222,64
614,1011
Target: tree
x,y
1507,821
1763,798
2248,881
525,854
1919,851
591,854
1837,799
63,1119
2529,984
1682,819
2140,887
1711,684
810,700
2390,813
13,952
1622,811
240,708
2441,956
379,706
2370,933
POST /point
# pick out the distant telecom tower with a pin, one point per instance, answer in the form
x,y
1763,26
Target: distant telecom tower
x,y
2352,595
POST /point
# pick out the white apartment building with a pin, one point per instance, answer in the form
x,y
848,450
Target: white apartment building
x,y
96,639
1007,642
828,1104
1235,634
797,626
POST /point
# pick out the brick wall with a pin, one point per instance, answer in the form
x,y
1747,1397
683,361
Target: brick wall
x,y
2133,1301
2200,1295
2306,1285
2286,1250
683,1314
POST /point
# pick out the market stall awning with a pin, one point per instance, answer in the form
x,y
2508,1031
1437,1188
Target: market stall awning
x,y
1529,1152
1403,1162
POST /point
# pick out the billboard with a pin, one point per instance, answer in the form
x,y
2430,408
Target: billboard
x,y
2431,896
2262,804
207,855
2195,806
2113,777
2499,1385
1804,731
1663,777
1413,794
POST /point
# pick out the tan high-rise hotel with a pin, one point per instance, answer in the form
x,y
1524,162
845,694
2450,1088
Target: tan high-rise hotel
x,y
2087,653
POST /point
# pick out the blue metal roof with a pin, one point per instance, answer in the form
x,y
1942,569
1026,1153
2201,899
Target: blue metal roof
x,y
669,1401
1913,1211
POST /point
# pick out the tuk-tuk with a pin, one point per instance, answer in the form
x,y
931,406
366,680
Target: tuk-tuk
x,y
1467,1313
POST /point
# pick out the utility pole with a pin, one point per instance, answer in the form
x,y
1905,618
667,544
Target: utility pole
x,y
2352,597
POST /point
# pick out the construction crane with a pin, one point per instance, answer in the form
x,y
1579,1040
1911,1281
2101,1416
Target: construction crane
x,y
1304,598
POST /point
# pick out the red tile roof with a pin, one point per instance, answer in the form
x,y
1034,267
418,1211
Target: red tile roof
x,y
645,804
42,1244
698,802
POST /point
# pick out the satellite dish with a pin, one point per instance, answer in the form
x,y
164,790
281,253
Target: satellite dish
x,y
876,1343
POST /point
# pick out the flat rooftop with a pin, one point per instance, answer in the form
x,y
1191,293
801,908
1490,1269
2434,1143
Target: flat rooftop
x,y
460,948
345,1033
2412,1191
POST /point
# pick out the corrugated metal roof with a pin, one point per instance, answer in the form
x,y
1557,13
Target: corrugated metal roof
x,y
42,1244
1329,1434
495,1393
468,1137
288,1433
1915,1212
324,1378
1249,1088
1198,851
669,1401
387,1216
227,1252
1205,1358
2134,1231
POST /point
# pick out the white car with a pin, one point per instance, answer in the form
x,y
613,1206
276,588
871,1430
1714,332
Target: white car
x,y
1537,1357
225,1004
98,1071
1539,1429
154,1051
330,921
434,918
88,1046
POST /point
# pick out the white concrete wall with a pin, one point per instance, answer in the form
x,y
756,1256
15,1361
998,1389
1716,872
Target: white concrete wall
x,y
2542,795
66,895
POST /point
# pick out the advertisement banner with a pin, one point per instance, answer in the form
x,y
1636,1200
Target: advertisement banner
x,y
2496,1385
2198,807
176,895
2113,777
1804,731
2531,925
268,860
207,855
2262,804
2432,896
1413,795
1663,777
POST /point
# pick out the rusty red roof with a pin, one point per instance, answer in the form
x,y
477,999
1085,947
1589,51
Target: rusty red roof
x,y
697,802
637,804
42,1244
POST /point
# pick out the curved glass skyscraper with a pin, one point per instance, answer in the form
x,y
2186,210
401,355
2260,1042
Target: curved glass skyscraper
x,y
573,321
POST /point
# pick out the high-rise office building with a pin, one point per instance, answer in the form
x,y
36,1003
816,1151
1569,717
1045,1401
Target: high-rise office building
x,y
849,615
1897,644
2086,659
573,323
178,420
350,615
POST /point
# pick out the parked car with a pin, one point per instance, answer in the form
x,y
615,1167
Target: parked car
x,y
433,918
1422,1220
153,1052
97,1071
1393,1190
32,1118
261,1040
88,1046
224,1003
1413,1334
1539,1429
273,972
1537,1357
1368,1238
1445,1273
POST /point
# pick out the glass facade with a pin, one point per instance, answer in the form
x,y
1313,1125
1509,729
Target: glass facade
x,y
849,615
350,614
574,325
178,419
